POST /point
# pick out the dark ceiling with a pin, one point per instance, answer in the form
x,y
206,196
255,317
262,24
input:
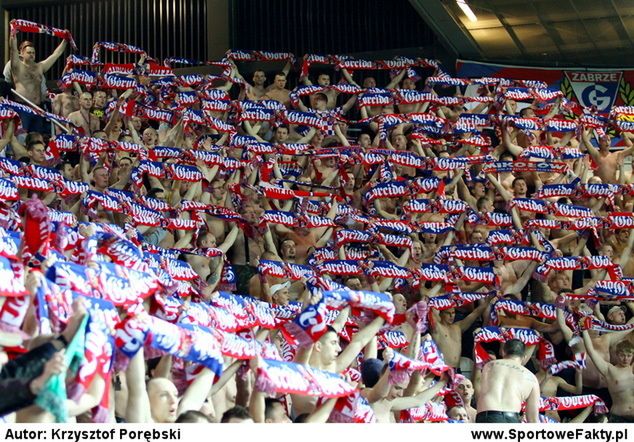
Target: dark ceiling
x,y
537,32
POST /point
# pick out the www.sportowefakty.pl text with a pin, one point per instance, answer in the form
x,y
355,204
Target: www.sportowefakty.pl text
x,y
513,434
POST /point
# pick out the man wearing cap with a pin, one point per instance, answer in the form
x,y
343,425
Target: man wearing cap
x,y
505,385
616,315
280,293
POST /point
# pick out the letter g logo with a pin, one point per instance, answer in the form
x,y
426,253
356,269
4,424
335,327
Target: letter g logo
x,y
596,95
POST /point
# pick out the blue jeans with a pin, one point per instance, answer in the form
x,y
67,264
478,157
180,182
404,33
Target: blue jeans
x,y
34,123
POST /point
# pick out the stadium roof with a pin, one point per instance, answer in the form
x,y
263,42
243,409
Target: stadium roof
x,y
537,32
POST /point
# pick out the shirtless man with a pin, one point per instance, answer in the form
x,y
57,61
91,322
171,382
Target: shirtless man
x,y
410,84
277,91
592,377
288,251
331,95
505,385
247,250
619,376
622,243
305,240
256,91
27,74
217,192
550,383
82,117
326,354
607,162
370,83
206,267
394,400
518,187
65,102
28,77
100,179
448,334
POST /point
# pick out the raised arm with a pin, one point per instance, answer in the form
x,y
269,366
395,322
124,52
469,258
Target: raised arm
x,y
197,391
50,61
184,240
554,110
420,399
306,138
465,323
594,153
572,389
561,321
508,143
381,388
629,149
519,285
89,399
348,77
138,409
249,129
15,54
503,192
301,106
348,104
360,340
340,136
396,80
465,194
321,414
8,135
229,239
602,366
287,68
341,320
581,417
332,212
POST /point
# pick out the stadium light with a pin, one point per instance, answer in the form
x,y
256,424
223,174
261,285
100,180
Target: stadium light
x,y
467,10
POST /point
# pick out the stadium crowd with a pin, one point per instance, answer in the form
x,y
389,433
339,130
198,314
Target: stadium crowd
x,y
226,248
